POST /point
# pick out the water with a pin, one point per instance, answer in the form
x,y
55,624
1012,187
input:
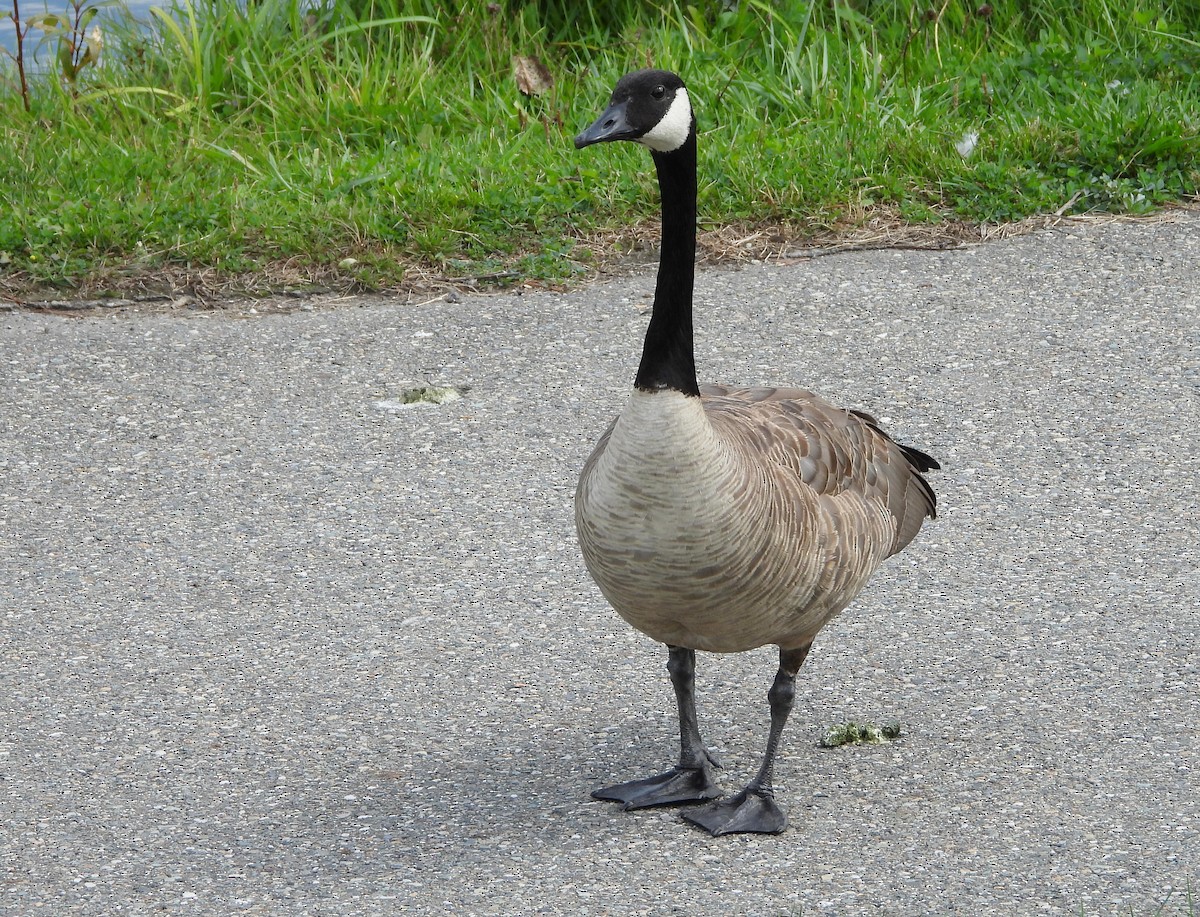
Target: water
x,y
8,32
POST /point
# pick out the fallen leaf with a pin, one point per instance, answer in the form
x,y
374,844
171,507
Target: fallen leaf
x,y
531,75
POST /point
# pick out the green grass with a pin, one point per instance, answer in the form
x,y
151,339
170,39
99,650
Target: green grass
x,y
1181,904
393,133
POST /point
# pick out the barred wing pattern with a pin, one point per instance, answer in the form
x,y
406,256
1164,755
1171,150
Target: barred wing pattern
x,y
834,451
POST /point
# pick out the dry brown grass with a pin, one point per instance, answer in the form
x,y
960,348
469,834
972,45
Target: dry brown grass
x,y
288,286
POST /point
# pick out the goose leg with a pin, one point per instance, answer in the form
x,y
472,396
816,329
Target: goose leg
x,y
690,780
754,809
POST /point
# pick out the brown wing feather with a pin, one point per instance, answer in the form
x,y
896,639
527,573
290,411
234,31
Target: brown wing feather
x,y
833,451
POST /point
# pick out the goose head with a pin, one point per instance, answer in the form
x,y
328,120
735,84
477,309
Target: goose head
x,y
650,107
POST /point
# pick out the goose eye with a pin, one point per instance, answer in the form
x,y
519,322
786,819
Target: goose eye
x,y
658,91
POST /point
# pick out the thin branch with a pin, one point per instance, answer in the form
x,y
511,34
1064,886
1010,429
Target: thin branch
x,y
16,18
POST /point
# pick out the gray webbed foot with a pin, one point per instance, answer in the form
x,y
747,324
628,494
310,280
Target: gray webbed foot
x,y
678,785
750,812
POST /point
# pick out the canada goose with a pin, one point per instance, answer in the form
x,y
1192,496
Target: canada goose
x,y
723,519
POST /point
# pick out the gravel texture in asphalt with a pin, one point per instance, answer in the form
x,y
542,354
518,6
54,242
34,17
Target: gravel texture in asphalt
x,y
274,644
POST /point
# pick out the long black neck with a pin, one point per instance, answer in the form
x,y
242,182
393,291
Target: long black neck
x,y
668,360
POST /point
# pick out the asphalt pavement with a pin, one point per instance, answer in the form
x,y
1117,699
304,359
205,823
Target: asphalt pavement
x,y
273,643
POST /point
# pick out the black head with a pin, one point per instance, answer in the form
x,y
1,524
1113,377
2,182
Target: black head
x,y
650,107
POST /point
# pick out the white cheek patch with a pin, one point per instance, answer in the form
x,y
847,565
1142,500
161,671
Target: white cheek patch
x,y
672,131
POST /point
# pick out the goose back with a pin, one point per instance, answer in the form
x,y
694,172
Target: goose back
x,y
832,450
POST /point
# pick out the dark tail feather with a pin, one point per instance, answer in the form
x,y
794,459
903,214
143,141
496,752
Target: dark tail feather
x,y
919,459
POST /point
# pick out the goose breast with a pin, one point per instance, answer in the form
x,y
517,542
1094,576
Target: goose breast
x,y
745,517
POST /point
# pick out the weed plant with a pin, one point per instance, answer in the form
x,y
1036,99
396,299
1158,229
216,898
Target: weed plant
x,y
387,135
